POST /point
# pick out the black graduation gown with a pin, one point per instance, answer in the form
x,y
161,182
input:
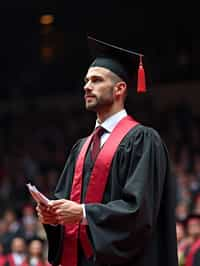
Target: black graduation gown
x,y
135,222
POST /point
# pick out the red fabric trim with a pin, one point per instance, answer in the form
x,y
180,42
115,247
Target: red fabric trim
x,y
95,189
190,257
70,247
10,260
2,259
101,168
77,180
85,242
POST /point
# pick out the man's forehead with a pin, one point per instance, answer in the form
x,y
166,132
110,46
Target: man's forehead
x,y
97,71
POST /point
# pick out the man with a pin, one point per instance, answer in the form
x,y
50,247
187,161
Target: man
x,y
192,251
115,207
18,252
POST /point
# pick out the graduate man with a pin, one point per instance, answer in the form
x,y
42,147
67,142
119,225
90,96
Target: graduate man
x,y
114,202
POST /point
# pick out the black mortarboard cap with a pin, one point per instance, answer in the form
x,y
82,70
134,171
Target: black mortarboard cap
x,y
120,61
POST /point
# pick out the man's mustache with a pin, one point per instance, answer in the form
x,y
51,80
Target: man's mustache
x,y
89,95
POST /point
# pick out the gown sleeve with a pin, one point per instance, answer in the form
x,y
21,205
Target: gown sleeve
x,y
54,235
120,228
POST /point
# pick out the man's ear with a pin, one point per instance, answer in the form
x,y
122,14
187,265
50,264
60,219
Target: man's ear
x,y
120,88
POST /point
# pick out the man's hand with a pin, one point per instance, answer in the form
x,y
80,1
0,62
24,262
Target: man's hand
x,y
66,211
45,215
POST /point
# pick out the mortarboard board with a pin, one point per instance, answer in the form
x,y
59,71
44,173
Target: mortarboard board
x,y
120,61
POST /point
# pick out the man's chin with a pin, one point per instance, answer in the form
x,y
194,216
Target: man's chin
x,y
90,107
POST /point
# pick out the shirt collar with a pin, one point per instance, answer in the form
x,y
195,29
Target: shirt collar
x,y
110,123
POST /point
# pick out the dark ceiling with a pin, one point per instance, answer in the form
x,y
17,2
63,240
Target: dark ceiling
x,y
167,35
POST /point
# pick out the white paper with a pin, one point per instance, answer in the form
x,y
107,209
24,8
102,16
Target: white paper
x,y
37,195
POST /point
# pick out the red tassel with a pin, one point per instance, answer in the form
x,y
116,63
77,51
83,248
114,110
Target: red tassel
x,y
141,83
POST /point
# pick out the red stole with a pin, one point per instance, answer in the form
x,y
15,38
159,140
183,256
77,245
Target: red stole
x,y
95,190
2,259
10,260
190,257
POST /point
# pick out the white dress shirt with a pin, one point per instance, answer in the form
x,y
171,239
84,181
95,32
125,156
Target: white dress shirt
x,y
109,124
18,258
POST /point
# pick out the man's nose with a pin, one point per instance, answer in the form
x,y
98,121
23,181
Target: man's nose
x,y
87,86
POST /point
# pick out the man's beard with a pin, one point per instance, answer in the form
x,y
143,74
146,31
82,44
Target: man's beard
x,y
99,103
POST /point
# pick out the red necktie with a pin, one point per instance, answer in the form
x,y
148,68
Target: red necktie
x,y
96,142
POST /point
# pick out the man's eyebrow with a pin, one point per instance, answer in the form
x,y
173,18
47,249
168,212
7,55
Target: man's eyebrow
x,y
93,76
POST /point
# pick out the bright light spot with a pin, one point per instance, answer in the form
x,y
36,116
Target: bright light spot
x,y
46,19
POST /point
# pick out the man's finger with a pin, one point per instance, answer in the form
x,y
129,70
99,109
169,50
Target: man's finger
x,y
56,203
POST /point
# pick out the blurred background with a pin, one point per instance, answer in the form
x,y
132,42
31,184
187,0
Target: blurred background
x,y
43,59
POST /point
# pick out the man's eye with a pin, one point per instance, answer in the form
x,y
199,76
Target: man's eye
x,y
96,79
